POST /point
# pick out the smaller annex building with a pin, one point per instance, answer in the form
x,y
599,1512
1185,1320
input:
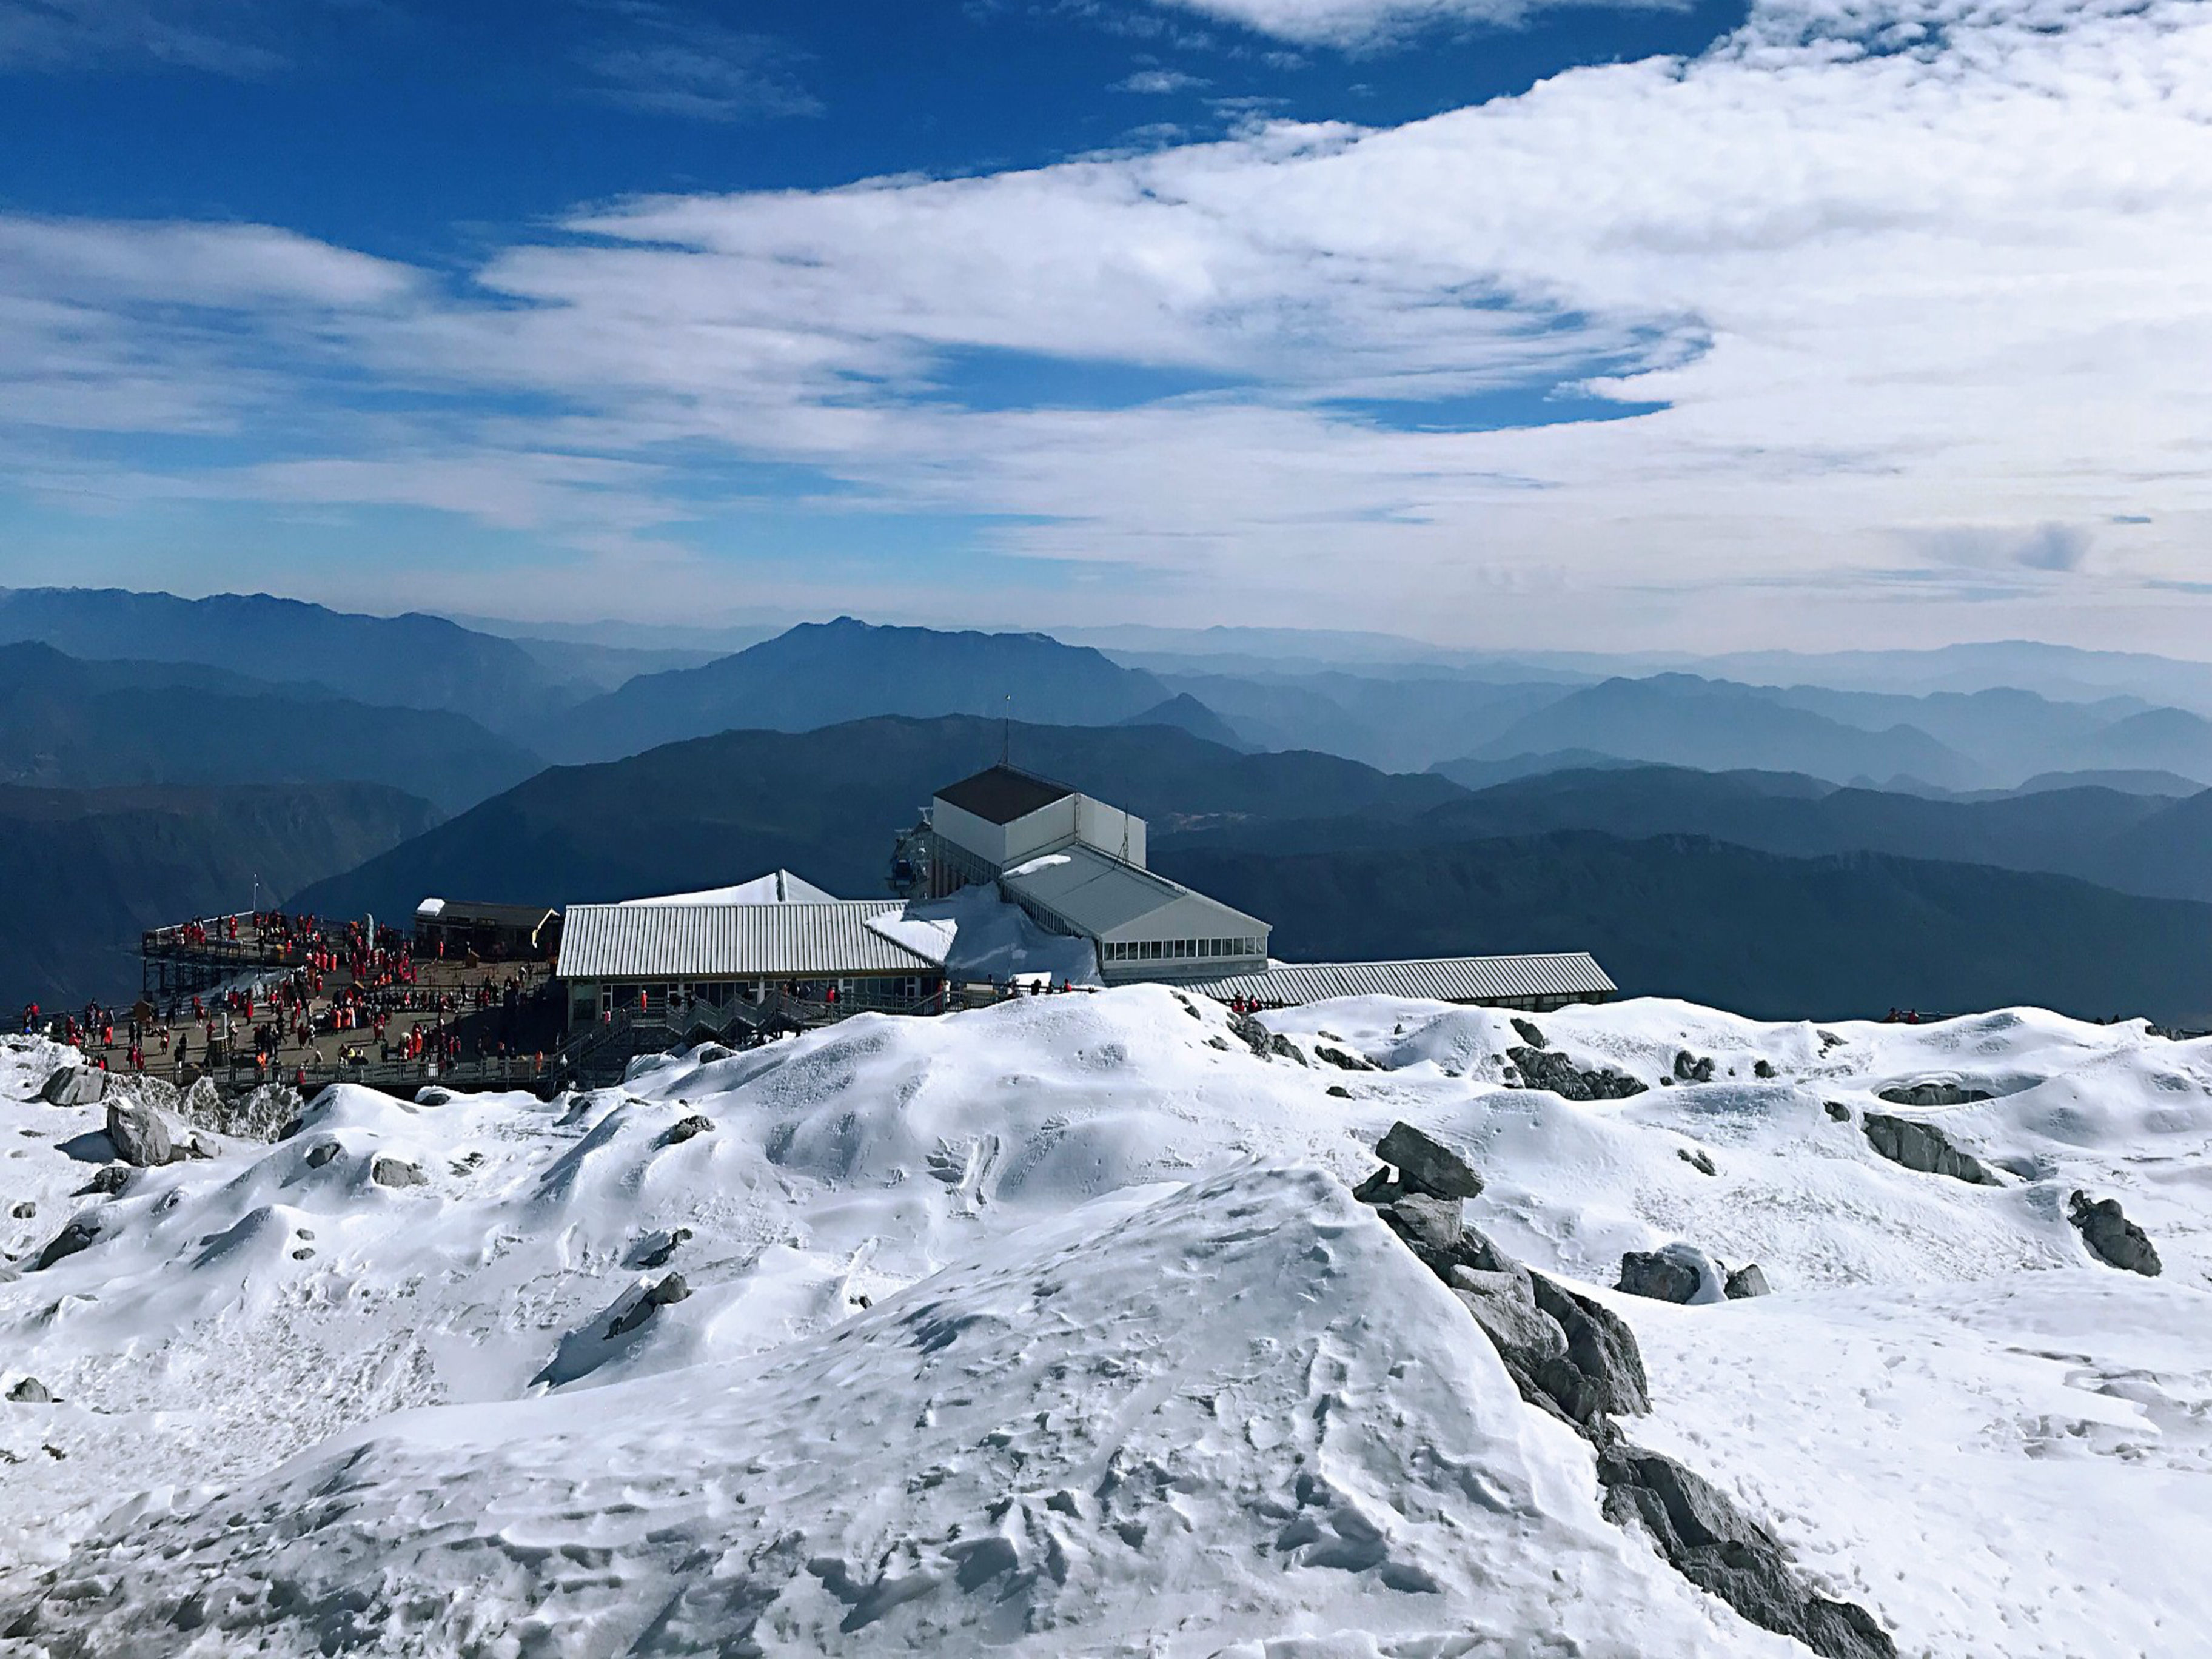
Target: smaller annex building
x,y
1535,984
1076,866
496,932
776,937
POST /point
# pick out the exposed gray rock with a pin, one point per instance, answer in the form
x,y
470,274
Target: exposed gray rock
x,y
655,1250
684,1129
670,1289
396,1172
1425,1164
30,1392
24,1211
1341,1059
321,1153
261,1113
75,1085
1263,1043
140,1137
107,1180
1700,1159
1545,1068
1924,1147
1720,1549
1529,1033
1505,1304
1430,1225
1933,1094
1746,1281
1689,1068
2110,1236
1662,1276
1381,1188
305,1252
81,1232
1338,1091
1601,1373
1763,1069
1836,1109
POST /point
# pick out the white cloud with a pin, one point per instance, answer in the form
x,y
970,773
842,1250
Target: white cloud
x,y
1160,80
1895,272
672,62
1356,23
224,37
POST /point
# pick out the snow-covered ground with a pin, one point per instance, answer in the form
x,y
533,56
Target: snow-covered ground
x,y
1052,1328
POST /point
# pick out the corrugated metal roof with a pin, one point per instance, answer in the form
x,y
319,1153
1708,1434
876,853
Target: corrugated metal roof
x,y
1096,892
1435,978
736,941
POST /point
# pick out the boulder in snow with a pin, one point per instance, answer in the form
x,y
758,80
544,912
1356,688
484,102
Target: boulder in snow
x,y
321,1153
1923,1146
107,1180
387,1172
1601,1373
2110,1236
1699,1159
1941,1092
30,1392
670,1289
684,1129
81,1232
1747,1281
1547,1068
1689,1068
1505,1304
75,1085
140,1136
1425,1164
1661,1275
1529,1033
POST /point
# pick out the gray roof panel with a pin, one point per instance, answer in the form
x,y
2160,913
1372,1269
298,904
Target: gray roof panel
x,y
1432,979
735,941
1001,794
1098,893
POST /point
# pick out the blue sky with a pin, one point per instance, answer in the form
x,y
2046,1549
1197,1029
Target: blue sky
x,y
1655,326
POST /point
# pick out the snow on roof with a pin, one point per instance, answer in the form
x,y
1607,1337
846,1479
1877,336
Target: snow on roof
x,y
1438,979
1096,893
430,907
739,941
777,887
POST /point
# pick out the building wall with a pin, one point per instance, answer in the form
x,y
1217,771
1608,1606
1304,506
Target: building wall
x,y
979,837
1072,817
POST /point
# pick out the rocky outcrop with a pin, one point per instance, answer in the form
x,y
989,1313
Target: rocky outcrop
x,y
1924,1147
1700,1159
670,1289
1547,1068
1264,1043
655,1250
1720,1549
30,1392
1747,1281
81,1233
387,1172
1666,1275
1528,1034
75,1085
1689,1068
1837,1110
686,1128
107,1180
1575,1358
322,1152
139,1135
1425,1164
1764,1070
1938,1093
1341,1059
2112,1238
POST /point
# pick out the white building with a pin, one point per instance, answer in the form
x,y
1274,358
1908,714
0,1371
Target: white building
x,y
1076,866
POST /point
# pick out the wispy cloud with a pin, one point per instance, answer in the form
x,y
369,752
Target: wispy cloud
x,y
1360,24
654,58
240,37
1160,80
1964,284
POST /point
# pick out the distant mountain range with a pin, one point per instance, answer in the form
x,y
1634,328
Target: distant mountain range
x,y
826,804
68,724
823,673
89,870
412,661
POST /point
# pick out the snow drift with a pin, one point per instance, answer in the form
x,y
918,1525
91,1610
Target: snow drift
x,y
1053,1327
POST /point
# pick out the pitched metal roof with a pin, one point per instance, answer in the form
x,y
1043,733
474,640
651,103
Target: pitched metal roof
x,y
1096,893
740,941
1002,793
1434,979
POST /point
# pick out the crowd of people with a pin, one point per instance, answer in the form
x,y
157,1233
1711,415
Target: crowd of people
x,y
324,980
